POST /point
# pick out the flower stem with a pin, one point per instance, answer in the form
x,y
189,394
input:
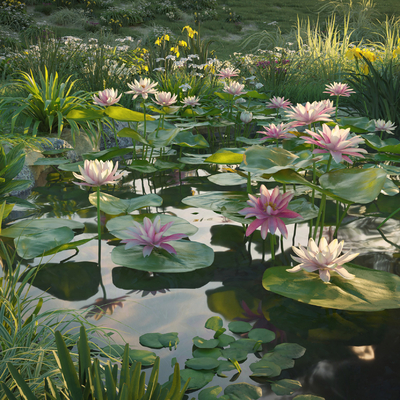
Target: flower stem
x,y
340,221
272,239
99,240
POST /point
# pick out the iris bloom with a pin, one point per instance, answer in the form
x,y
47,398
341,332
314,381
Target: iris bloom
x,y
150,235
268,209
227,73
190,101
144,87
339,89
234,88
96,173
165,99
278,102
308,114
323,258
381,125
107,97
336,143
280,131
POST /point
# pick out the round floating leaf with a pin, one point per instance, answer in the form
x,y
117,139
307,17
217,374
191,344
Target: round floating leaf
x,y
190,256
262,334
390,145
214,323
225,340
37,244
187,139
307,397
113,205
370,290
162,137
126,115
243,391
51,161
142,166
235,354
279,359
265,367
180,225
205,344
202,363
198,378
249,345
226,156
355,185
214,201
147,358
285,386
239,327
227,179
225,366
159,340
211,393
291,350
214,353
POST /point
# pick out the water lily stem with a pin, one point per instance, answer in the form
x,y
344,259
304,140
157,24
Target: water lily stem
x,y
340,221
272,238
249,190
99,240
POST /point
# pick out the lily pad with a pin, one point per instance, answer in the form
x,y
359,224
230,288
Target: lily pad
x,y
249,345
204,343
159,340
180,225
285,386
198,378
187,139
190,256
142,166
279,359
243,391
147,358
202,363
239,327
264,335
225,340
211,393
113,205
355,185
370,290
390,145
226,156
227,179
214,323
265,368
213,353
234,354
292,350
126,115
39,243
214,201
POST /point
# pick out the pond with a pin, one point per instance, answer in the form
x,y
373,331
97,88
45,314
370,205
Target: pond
x,y
348,354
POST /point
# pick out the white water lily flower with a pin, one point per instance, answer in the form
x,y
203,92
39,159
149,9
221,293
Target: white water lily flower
x,y
324,258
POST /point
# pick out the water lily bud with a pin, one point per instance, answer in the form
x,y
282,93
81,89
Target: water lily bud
x,y
246,117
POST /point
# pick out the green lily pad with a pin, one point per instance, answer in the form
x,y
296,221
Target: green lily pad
x,y
355,185
159,340
205,344
163,137
227,179
198,378
356,124
187,139
225,366
142,166
235,354
211,393
226,156
180,225
390,145
285,386
225,340
190,256
243,391
262,334
307,397
34,226
71,167
239,327
213,353
291,350
37,244
51,161
265,368
113,205
126,115
202,363
370,290
107,154
128,132
147,358
214,201
249,345
214,323
279,359
85,115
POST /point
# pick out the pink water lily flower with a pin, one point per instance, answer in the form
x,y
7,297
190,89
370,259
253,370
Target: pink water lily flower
x,y
107,97
280,131
323,258
268,209
150,235
278,102
165,99
336,142
96,173
382,126
190,101
326,106
308,114
339,89
227,73
234,88
144,87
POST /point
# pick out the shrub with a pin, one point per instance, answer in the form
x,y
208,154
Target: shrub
x,y
13,14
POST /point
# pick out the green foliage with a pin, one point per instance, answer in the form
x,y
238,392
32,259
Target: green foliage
x,y
13,14
97,381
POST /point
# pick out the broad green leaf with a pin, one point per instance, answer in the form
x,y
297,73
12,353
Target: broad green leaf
x,y
227,179
370,290
68,246
225,340
255,95
187,139
107,154
355,185
214,353
198,378
285,386
34,226
291,350
72,167
126,115
225,366
37,244
159,340
356,124
279,359
180,225
190,256
162,138
239,327
142,166
226,156
390,145
249,345
214,323
85,115
234,354
205,344
164,165
147,358
51,161
128,132
265,368
243,391
202,363
214,201
262,334
211,393
308,397
113,205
